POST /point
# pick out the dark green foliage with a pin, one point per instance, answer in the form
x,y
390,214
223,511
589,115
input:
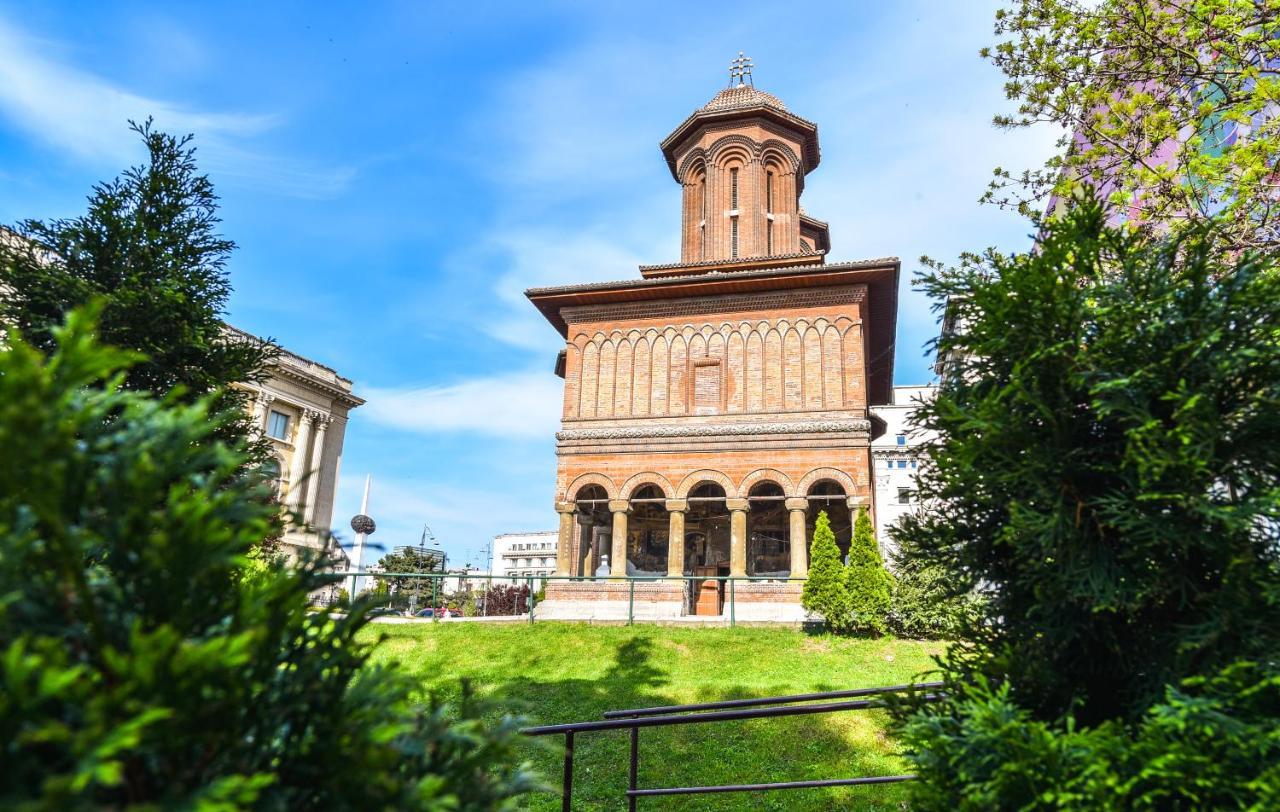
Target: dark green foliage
x,y
148,250
926,603
1212,743
825,592
139,669
1106,465
411,559
869,584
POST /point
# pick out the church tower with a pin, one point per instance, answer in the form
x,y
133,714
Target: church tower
x,y
715,406
741,160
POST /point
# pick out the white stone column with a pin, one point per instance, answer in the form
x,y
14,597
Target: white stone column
x,y
675,537
261,404
798,509
317,457
618,549
737,536
564,543
298,465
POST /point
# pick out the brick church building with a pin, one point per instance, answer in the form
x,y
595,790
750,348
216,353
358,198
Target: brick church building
x,y
713,406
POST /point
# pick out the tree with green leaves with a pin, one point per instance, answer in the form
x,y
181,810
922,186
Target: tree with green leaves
x,y
1105,469
868,583
927,603
1167,107
825,592
148,249
141,671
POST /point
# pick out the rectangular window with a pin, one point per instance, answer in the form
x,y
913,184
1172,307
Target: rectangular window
x,y
733,238
733,186
902,463
902,439
904,496
278,425
768,237
768,192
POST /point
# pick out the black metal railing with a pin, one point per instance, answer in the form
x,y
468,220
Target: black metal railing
x,y
728,710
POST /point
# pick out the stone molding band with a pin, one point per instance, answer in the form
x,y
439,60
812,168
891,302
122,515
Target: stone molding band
x,y
714,429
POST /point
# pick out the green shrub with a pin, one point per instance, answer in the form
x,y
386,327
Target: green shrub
x,y
824,591
869,584
926,603
140,669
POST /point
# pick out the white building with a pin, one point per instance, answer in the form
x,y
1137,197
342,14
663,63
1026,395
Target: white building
x,y
895,459
524,554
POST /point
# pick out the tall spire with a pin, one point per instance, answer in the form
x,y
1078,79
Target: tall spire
x,y
740,69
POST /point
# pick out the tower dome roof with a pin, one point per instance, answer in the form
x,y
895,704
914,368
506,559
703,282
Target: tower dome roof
x,y
741,97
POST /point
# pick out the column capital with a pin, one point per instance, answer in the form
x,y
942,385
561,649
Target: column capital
x,y
265,397
737,504
677,505
586,520
566,507
856,502
797,503
619,506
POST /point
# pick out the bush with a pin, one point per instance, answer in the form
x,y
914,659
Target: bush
x,y
869,584
927,604
824,592
503,599
140,669
1212,743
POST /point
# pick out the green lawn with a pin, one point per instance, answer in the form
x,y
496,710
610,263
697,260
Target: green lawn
x,y
559,672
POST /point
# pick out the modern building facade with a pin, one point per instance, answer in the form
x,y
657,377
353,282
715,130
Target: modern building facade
x,y
896,460
519,555
713,406
302,407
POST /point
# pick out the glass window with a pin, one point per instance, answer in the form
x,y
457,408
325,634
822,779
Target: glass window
x,y
902,463
904,496
278,425
902,439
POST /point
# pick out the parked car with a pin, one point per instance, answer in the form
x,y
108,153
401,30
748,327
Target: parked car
x,y
442,612
383,611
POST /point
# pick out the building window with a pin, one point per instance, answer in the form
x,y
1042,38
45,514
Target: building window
x,y
768,192
904,496
733,193
768,238
733,238
278,425
902,463
902,439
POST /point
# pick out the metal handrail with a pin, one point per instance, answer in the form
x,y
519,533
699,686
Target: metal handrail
x,y
728,710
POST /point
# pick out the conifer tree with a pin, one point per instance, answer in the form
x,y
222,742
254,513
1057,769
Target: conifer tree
x,y
824,592
869,584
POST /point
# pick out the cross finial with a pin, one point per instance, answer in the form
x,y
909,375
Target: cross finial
x,y
740,69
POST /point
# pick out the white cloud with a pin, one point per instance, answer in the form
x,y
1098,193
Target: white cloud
x,y
85,115
516,404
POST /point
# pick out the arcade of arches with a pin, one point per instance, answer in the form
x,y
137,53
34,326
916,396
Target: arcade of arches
x,y
761,531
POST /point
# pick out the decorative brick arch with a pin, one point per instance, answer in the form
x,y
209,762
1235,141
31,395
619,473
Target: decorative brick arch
x,y
647,478
734,145
706,475
590,479
693,160
773,148
818,474
766,475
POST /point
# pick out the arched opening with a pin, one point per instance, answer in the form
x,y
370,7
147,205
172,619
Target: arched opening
x,y
768,532
594,524
647,533
706,531
829,495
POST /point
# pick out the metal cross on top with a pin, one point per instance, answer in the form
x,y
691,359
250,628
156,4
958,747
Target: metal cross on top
x,y
740,69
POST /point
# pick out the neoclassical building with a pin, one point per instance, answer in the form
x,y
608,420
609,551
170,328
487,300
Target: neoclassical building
x,y
713,406
301,407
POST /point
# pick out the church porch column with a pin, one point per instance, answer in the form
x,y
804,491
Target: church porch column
x,y
317,458
618,550
675,537
564,543
797,510
737,536
298,465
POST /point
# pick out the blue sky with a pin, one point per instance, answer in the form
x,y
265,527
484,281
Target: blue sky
x,y
395,175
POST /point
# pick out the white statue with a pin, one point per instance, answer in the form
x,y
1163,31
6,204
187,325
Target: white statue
x,y
602,571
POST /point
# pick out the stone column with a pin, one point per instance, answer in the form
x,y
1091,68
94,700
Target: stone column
x,y
565,547
260,403
618,551
675,537
317,456
737,535
798,509
298,465
585,551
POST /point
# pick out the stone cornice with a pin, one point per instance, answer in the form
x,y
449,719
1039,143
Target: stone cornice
x,y
718,429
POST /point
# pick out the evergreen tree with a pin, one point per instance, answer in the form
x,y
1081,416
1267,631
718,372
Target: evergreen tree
x,y
825,592
869,584
140,670
148,249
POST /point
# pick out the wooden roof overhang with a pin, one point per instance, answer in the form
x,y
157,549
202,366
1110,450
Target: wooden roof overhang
x,y
879,275
692,125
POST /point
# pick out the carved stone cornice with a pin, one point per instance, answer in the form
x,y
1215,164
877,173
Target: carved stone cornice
x,y
718,429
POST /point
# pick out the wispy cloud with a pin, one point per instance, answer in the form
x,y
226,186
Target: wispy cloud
x,y
85,115
514,405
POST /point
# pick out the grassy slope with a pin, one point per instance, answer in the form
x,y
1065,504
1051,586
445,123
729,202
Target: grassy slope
x,y
557,672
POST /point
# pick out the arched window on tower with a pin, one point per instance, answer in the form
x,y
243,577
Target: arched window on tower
x,y
768,207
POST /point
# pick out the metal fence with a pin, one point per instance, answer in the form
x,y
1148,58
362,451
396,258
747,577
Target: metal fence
x,y
458,596
730,710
